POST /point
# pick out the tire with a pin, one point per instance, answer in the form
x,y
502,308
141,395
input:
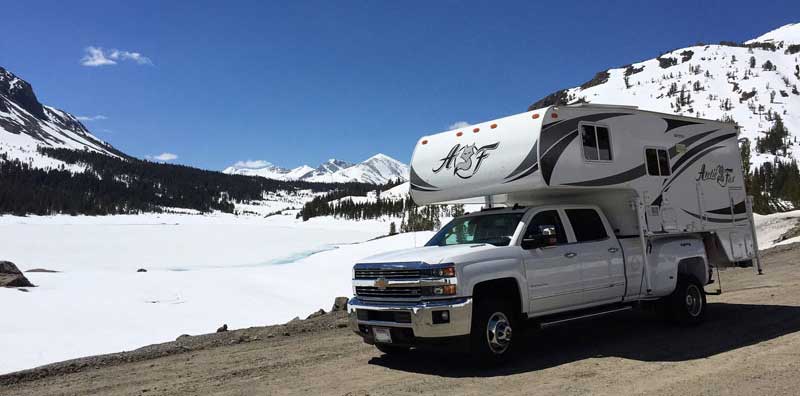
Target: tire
x,y
491,335
389,349
687,303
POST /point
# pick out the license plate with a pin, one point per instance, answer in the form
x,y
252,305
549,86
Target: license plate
x,y
382,335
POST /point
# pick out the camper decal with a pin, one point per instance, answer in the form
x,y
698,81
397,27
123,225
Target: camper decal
x,y
722,175
465,161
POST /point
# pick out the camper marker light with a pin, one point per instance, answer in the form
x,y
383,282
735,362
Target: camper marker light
x,y
425,141
554,115
476,130
535,116
459,133
493,126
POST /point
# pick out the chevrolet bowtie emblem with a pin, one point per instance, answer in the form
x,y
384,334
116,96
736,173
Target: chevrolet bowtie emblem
x,y
381,283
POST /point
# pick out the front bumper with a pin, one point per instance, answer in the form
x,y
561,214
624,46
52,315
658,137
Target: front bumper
x,y
421,324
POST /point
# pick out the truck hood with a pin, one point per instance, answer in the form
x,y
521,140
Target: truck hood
x,y
427,254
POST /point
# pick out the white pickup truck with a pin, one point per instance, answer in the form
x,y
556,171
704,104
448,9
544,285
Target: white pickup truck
x,y
483,273
590,210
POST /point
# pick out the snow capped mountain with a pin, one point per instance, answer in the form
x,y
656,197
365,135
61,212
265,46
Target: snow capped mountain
x,y
749,83
26,124
377,169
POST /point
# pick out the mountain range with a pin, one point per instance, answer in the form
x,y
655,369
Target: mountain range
x,y
378,169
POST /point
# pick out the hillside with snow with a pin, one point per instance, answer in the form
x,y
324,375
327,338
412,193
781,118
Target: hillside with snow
x,y
26,124
748,83
378,169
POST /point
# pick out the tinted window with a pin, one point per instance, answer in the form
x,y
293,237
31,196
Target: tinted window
x,y
586,224
589,143
596,143
657,162
663,162
603,143
546,218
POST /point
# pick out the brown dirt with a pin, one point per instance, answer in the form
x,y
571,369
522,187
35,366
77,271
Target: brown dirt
x,y
750,344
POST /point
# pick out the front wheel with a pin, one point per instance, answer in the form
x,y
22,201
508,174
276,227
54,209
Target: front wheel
x,y
687,303
491,336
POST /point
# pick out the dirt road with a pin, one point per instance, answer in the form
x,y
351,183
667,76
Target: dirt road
x,y
749,345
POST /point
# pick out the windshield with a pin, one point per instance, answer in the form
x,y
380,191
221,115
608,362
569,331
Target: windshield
x,y
495,229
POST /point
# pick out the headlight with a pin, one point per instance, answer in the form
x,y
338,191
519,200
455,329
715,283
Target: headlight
x,y
448,271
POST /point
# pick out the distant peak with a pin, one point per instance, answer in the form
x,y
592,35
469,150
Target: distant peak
x,y
789,33
380,156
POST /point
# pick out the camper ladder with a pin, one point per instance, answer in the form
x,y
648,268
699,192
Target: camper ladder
x,y
640,213
757,255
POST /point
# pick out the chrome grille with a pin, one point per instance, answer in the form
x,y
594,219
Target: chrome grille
x,y
408,292
388,273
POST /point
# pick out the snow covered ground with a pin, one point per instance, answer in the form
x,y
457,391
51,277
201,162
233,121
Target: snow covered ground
x,y
771,227
203,271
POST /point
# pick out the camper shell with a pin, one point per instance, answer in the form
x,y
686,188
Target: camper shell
x,y
682,175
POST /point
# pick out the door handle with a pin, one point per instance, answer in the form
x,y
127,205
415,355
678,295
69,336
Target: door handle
x,y
570,255
613,250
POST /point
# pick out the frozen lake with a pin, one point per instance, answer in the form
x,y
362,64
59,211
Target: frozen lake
x,y
202,271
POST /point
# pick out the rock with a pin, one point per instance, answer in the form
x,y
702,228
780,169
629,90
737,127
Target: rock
x,y
182,336
141,270
341,324
286,333
295,320
11,276
339,304
222,329
23,290
316,314
42,270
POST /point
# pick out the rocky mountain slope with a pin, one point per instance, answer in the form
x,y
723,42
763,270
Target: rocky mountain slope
x,y
26,124
377,169
750,83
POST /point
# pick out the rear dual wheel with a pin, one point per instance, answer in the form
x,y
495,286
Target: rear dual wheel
x,y
687,303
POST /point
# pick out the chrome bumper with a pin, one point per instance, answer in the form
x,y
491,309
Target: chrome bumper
x,y
460,312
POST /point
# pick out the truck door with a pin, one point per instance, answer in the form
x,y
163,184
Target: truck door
x,y
553,274
599,255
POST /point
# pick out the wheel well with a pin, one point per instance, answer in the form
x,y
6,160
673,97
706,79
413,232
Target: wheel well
x,y
505,288
694,266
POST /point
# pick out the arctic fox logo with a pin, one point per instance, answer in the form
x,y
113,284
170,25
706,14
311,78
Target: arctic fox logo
x,y
722,175
465,160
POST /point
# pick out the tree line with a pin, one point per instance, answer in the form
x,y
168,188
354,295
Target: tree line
x,y
113,185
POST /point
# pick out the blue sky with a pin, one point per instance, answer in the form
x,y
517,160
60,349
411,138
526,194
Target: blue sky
x,y
299,82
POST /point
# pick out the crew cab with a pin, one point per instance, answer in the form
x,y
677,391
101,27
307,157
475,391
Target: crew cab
x,y
485,274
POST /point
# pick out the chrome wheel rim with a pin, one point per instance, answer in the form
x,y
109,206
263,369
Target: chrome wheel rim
x,y
694,300
498,333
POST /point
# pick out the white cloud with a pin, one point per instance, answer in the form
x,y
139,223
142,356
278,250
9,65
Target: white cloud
x,y
458,124
252,164
96,56
163,157
92,118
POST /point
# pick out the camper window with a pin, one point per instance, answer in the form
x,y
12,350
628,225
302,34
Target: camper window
x,y
657,161
596,143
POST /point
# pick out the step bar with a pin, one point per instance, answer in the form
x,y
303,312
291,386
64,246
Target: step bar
x,y
560,321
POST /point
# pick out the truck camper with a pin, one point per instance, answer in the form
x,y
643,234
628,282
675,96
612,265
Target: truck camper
x,y
588,210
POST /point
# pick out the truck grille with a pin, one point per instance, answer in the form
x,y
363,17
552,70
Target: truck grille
x,y
368,291
388,273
